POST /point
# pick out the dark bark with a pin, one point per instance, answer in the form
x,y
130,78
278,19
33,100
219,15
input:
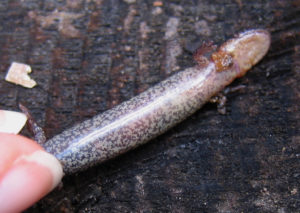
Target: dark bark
x,y
91,55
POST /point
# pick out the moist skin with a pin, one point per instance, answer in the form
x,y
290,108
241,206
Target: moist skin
x,y
158,109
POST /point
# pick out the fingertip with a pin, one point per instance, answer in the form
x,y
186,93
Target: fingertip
x,y
30,173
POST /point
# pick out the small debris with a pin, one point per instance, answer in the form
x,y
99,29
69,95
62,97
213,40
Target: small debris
x,y
144,30
128,48
130,1
157,3
157,11
18,74
294,191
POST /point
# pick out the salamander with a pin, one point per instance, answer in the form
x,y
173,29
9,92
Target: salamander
x,y
159,108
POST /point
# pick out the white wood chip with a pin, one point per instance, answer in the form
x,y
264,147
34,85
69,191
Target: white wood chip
x,y
18,74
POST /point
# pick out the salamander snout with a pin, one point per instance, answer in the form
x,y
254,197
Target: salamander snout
x,y
248,48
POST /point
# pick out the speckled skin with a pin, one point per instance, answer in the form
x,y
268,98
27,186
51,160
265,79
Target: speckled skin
x,y
149,114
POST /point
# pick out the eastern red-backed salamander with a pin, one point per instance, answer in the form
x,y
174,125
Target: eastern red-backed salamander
x,y
156,110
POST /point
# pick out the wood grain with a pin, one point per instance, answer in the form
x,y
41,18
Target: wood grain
x,y
88,56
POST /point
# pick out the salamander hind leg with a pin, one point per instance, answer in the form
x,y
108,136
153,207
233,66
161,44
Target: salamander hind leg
x,y
37,132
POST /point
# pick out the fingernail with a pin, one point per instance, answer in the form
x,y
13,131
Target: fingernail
x,y
11,122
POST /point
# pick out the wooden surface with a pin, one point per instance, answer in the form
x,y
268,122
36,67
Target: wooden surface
x,y
88,56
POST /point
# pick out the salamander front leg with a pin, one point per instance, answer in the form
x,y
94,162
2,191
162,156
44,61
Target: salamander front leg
x,y
220,99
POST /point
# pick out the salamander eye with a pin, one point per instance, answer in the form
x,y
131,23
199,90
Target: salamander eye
x,y
222,60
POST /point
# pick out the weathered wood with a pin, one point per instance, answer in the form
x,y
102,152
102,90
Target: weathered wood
x,y
88,56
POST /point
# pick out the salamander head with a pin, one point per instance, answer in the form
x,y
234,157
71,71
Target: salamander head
x,y
247,48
